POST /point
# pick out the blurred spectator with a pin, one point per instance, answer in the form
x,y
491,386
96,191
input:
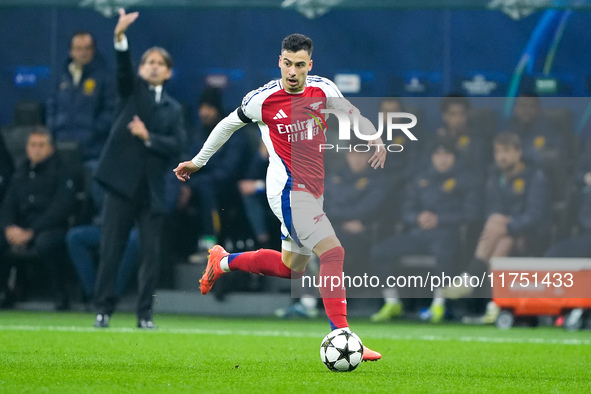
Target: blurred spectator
x,y
402,166
473,151
253,188
353,199
535,131
82,107
35,212
579,246
28,115
146,139
517,213
437,203
6,169
203,192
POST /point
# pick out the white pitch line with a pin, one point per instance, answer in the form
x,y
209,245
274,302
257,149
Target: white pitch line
x,y
298,334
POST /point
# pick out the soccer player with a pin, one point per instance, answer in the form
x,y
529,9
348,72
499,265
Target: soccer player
x,y
295,176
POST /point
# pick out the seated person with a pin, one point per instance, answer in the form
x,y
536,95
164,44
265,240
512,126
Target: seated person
x,y
437,203
402,166
535,131
202,193
579,246
517,214
82,106
473,150
35,212
253,188
83,247
6,169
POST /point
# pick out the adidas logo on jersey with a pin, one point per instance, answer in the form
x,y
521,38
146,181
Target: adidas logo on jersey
x,y
280,115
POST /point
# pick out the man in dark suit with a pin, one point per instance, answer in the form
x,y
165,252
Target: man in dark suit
x,y
146,138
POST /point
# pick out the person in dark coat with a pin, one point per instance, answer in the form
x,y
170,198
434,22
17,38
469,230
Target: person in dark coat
x,y
6,169
146,139
82,107
35,212
437,202
535,131
206,192
473,150
579,246
253,192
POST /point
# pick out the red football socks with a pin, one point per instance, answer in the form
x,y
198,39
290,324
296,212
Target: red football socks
x,y
263,262
335,303
268,262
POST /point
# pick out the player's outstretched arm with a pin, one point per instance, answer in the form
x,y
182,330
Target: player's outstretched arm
x,y
184,170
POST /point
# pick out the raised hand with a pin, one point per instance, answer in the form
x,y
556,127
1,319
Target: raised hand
x,y
125,20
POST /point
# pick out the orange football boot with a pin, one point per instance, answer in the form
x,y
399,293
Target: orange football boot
x,y
370,355
213,271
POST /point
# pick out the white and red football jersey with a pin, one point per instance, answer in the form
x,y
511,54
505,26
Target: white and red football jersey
x,y
286,121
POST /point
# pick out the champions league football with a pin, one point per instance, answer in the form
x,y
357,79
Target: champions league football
x,y
341,350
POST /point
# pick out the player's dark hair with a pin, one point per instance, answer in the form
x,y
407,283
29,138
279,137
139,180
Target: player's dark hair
x,y
454,99
508,139
160,50
297,42
82,33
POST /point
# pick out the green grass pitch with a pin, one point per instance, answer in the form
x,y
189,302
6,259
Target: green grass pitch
x,y
62,353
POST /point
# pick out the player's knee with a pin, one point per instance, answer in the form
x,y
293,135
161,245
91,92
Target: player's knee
x,y
326,245
294,261
335,254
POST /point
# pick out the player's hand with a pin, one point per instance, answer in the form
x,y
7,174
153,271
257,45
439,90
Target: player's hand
x,y
378,159
184,170
125,20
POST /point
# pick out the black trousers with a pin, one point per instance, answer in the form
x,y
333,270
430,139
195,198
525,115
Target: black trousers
x,y
51,248
119,216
